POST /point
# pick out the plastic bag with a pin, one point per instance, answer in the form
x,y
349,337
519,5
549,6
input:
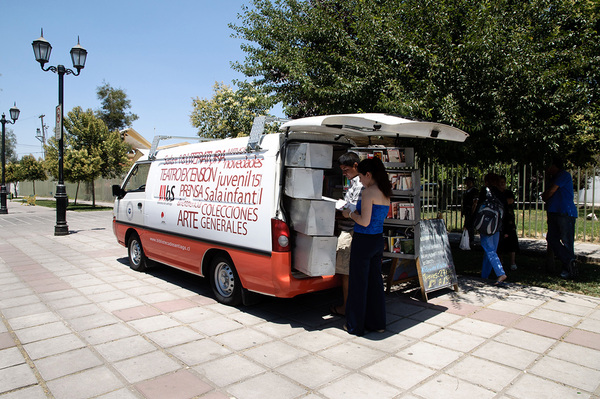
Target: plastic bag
x,y
464,241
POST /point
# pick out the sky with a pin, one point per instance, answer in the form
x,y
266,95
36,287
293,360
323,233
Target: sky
x,y
161,53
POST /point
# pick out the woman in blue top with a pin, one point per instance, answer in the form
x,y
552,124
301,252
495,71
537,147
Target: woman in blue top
x,y
365,309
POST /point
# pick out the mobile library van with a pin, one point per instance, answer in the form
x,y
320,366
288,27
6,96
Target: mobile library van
x,y
253,214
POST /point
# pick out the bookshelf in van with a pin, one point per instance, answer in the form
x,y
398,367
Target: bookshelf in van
x,y
404,215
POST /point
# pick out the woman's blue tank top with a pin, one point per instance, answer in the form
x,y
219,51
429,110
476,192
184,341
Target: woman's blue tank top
x,y
378,215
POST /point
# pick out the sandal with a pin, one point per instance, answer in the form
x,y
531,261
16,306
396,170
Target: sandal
x,y
334,311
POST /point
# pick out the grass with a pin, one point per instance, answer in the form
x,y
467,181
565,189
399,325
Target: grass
x,y
531,271
70,207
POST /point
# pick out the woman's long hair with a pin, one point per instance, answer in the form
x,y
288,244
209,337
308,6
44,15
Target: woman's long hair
x,y
375,166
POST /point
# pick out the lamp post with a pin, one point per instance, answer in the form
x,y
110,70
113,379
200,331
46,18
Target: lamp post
x,y
41,50
14,115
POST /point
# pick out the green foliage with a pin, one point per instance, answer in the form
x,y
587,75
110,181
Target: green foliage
x,y
229,113
10,146
90,149
31,169
114,108
520,77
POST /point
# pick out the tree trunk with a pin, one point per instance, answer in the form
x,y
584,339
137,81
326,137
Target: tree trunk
x,y
76,193
33,182
93,195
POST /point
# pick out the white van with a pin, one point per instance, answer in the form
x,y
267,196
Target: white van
x,y
254,213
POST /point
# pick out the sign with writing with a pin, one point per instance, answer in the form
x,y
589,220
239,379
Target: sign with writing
x,y
434,263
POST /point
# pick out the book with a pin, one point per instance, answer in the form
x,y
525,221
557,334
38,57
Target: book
x,y
403,210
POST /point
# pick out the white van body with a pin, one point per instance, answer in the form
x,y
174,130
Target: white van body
x,y
222,208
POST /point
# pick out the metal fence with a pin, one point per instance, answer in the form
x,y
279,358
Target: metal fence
x,y
443,186
442,189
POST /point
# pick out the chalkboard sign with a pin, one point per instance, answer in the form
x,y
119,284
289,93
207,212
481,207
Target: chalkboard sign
x,y
434,262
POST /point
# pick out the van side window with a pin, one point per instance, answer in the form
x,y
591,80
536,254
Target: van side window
x,y
136,182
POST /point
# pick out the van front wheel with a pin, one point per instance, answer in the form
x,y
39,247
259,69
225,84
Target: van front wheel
x,y
225,282
137,258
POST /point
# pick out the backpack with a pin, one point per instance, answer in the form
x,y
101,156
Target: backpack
x,y
488,219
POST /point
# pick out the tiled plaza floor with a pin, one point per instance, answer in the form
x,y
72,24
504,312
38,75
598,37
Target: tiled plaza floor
x,y
78,323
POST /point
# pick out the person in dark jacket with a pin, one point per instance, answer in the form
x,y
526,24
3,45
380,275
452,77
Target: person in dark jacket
x,y
489,243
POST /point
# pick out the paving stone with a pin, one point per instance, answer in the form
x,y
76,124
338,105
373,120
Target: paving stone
x,y
66,363
193,315
18,323
216,325
32,392
435,317
357,386
484,373
352,355
93,321
153,323
229,370
201,351
511,307
590,325
175,305
429,355
576,354
124,348
455,340
79,311
107,333
312,372
38,333
6,340
541,327
86,384
14,377
53,346
275,354
555,317
412,328
10,357
313,341
179,385
136,313
477,327
568,373
439,386
496,316
242,339
146,366
533,387
506,354
267,385
585,338
525,340
26,310
174,336
399,372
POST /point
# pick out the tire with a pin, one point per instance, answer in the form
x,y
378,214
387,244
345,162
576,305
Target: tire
x,y
137,258
225,281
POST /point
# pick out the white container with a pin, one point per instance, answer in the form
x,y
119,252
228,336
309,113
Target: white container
x,y
315,256
309,155
304,183
313,217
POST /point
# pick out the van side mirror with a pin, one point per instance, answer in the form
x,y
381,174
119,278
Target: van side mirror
x,y
117,191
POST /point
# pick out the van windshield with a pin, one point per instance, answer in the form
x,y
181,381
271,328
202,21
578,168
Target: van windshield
x,y
137,178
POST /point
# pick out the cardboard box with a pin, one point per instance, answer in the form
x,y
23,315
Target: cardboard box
x,y
309,155
304,183
313,217
315,255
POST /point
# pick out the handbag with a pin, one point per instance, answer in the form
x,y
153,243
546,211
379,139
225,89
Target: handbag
x,y
464,241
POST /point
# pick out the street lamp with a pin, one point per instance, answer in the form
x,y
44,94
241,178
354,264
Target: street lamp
x,y
41,50
14,115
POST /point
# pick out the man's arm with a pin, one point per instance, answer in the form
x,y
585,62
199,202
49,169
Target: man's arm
x,y
549,192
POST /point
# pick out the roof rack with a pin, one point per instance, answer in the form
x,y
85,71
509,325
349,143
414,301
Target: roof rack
x,y
157,139
258,128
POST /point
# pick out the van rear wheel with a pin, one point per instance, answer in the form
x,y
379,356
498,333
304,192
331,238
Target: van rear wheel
x,y
225,281
137,258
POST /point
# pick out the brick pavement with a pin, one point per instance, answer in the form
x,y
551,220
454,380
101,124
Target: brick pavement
x,y
78,323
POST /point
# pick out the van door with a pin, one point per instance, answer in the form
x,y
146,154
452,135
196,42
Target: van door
x,y
130,207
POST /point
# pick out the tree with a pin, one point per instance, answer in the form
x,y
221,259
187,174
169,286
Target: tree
x,y
520,77
30,169
114,108
90,150
229,113
13,174
10,143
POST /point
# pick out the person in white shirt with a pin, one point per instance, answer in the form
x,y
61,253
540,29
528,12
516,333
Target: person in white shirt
x,y
348,164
